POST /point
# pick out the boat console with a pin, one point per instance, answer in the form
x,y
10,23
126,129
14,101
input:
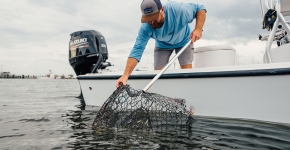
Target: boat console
x,y
88,52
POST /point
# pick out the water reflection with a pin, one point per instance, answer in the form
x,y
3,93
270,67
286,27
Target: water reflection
x,y
47,119
207,133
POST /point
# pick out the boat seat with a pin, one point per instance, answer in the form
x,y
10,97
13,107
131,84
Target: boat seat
x,y
214,56
279,54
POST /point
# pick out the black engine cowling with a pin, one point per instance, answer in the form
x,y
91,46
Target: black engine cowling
x,y
88,52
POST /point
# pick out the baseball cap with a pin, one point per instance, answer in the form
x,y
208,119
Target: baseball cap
x,y
150,9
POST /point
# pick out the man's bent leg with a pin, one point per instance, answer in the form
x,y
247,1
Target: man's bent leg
x,y
186,57
187,66
161,57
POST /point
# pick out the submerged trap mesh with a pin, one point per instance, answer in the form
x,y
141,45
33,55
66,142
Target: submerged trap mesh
x,y
131,108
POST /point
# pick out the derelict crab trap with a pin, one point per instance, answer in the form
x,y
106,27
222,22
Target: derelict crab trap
x,y
141,110
138,110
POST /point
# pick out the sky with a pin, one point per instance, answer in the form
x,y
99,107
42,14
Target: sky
x,y
35,33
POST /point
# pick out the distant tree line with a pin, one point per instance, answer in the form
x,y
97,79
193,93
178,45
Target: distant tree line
x,y
7,75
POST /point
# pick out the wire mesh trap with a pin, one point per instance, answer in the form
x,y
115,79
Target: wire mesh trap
x,y
138,110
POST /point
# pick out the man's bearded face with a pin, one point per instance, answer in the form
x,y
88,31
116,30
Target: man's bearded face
x,y
156,25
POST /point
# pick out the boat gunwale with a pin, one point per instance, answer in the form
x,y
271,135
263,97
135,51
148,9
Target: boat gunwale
x,y
192,74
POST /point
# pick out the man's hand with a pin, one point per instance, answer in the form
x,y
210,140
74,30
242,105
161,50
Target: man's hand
x,y
195,35
122,80
131,63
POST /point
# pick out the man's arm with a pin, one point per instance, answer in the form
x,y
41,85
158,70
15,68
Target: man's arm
x,y
196,34
136,53
131,64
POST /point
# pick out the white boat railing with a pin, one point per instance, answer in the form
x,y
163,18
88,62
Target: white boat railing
x,y
262,10
269,4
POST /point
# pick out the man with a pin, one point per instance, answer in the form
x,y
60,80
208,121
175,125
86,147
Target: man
x,y
168,25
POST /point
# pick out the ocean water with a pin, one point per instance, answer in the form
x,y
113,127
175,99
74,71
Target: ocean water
x,y
46,114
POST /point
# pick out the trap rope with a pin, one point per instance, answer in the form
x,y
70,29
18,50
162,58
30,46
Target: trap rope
x,y
131,108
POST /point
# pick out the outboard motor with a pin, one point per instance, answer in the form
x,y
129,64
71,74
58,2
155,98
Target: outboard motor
x,y
88,52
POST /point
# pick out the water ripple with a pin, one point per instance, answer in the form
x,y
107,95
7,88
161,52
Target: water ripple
x,y
45,114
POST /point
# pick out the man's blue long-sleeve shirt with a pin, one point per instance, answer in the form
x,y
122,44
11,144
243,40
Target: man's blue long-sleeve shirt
x,y
175,31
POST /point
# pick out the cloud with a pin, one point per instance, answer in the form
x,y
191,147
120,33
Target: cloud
x,y
35,33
